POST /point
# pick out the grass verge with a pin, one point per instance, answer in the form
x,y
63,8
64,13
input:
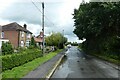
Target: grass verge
x,y
19,72
106,58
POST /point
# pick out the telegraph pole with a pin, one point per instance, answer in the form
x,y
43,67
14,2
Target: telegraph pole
x,y
63,37
43,28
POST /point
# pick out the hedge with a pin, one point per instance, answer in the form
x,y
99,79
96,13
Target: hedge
x,y
6,48
14,60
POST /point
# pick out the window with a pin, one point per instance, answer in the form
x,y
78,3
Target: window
x,y
28,35
27,43
22,43
22,34
2,34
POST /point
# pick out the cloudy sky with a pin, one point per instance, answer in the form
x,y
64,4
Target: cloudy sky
x,y
58,15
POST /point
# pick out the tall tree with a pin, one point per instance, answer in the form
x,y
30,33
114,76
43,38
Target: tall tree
x,y
99,24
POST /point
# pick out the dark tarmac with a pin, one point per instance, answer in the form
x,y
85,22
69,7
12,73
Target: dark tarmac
x,y
79,65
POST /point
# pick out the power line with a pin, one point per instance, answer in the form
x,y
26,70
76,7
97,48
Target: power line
x,y
42,13
36,7
49,20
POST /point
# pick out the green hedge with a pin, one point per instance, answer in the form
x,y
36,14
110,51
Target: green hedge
x,y
14,60
6,48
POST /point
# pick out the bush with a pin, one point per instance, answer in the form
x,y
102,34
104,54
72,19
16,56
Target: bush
x,y
21,49
60,46
31,47
47,49
32,42
55,48
14,60
7,48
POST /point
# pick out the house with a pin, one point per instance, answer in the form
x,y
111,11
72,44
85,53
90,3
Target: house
x,y
39,39
2,40
17,35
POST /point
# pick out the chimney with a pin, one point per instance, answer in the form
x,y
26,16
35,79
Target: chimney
x,y
25,26
41,34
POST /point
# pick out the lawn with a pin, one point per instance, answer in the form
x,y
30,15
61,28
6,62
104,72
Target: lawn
x,y
19,72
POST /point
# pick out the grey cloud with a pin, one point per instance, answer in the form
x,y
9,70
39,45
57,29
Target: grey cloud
x,y
26,11
68,30
21,12
54,17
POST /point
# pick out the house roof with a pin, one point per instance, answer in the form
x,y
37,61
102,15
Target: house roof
x,y
14,26
38,39
40,35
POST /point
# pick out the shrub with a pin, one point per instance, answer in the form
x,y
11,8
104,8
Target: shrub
x,y
32,42
31,47
55,48
20,49
60,46
47,50
14,60
7,48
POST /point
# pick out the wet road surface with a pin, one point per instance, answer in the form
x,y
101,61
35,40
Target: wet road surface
x,y
79,65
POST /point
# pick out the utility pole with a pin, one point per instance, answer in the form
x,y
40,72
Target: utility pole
x,y
63,38
43,28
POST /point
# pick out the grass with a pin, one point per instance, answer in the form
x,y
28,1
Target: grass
x,y
107,58
19,72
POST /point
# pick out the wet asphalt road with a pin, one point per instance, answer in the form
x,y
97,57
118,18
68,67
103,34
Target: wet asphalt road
x,y
79,65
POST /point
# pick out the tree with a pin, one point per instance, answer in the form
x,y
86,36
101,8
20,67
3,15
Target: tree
x,y
74,44
56,39
98,23
67,43
32,42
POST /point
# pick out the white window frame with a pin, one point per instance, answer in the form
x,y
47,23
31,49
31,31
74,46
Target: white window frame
x,y
22,34
2,34
27,42
22,43
28,35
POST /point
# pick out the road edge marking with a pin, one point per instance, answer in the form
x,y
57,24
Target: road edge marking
x,y
54,67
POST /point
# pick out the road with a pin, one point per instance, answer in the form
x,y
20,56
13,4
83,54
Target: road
x,y
79,65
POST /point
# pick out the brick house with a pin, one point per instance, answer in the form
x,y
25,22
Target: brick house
x,y
2,40
17,35
39,39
